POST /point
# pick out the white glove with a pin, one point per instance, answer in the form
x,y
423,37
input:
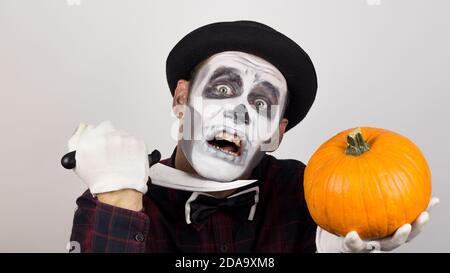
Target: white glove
x,y
329,243
108,159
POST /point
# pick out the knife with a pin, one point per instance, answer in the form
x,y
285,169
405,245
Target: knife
x,y
169,177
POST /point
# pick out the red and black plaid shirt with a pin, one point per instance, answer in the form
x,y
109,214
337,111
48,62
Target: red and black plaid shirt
x,y
281,222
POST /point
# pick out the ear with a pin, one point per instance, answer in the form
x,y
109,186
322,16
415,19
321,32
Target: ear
x,y
180,98
282,128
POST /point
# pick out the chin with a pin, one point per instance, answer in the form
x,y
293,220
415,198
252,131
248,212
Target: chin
x,y
214,166
220,171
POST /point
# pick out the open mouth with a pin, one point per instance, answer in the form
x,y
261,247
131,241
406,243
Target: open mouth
x,y
227,143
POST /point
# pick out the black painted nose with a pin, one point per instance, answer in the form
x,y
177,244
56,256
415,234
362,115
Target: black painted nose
x,y
239,114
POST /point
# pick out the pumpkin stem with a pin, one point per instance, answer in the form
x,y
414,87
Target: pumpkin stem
x,y
356,145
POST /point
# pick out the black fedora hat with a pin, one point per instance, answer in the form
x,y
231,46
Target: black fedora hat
x,y
254,38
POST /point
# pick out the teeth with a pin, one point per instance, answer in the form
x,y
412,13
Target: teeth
x,y
225,151
225,155
237,142
229,156
229,137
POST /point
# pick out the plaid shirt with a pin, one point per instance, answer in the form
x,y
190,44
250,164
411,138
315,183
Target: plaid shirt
x,y
281,222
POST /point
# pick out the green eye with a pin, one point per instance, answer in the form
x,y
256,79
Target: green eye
x,y
260,104
223,89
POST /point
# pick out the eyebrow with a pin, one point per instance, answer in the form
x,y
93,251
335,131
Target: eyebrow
x,y
231,74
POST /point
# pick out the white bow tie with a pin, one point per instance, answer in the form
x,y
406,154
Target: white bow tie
x,y
168,177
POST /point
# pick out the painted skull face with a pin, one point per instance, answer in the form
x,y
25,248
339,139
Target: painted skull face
x,y
235,105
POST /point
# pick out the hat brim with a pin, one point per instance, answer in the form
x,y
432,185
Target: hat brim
x,y
254,38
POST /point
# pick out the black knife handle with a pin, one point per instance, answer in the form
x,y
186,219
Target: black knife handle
x,y
68,161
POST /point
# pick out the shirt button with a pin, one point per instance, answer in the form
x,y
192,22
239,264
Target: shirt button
x,y
139,237
223,248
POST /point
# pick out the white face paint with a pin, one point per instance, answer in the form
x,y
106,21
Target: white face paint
x,y
235,103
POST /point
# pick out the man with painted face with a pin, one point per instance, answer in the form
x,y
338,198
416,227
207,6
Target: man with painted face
x,y
234,102
237,88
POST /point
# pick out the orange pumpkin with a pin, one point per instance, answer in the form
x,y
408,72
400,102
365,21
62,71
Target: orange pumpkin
x,y
369,180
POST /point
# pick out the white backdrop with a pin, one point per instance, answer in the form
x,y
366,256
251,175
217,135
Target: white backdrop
x,y
382,63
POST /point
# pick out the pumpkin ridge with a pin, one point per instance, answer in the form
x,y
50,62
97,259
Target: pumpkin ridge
x,y
309,175
339,199
373,135
425,172
418,154
412,165
394,182
361,195
313,195
337,167
345,179
422,183
380,191
375,139
329,175
330,159
413,183
406,185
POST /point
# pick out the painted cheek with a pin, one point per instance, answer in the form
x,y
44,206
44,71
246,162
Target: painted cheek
x,y
265,128
196,103
211,110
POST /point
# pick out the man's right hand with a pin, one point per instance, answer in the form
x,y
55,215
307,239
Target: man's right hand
x,y
113,164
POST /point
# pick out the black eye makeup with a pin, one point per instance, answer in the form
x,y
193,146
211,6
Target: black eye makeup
x,y
263,97
224,83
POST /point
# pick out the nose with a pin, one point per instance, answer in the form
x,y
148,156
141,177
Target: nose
x,y
239,114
